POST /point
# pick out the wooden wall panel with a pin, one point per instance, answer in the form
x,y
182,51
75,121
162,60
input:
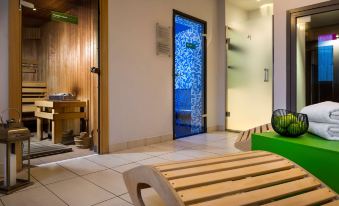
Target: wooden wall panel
x,y
30,58
14,50
66,54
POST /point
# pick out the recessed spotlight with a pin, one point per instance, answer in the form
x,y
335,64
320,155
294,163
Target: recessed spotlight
x,y
34,9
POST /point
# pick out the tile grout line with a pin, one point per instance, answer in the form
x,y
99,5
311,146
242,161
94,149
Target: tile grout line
x,y
2,201
124,199
48,190
77,176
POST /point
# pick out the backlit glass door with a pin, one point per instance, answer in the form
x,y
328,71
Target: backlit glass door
x,y
189,75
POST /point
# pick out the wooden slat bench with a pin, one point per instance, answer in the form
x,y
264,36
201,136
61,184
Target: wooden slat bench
x,y
249,178
31,92
243,141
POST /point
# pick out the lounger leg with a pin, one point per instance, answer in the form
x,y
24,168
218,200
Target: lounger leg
x,y
144,177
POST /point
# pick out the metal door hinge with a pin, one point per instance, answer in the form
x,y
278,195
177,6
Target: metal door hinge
x,y
228,114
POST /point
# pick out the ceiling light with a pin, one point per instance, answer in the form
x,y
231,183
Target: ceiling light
x,y
27,4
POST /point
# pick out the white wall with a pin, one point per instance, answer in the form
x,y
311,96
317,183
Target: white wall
x,y
141,82
4,54
280,10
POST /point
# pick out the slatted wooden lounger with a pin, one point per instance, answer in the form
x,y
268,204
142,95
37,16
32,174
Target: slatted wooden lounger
x,y
243,141
250,178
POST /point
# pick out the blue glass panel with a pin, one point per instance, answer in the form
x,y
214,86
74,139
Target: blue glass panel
x,y
325,63
189,77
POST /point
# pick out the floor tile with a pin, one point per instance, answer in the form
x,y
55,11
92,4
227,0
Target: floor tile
x,y
35,184
79,192
153,160
124,168
109,180
36,161
126,197
51,173
221,144
55,158
114,202
108,160
171,145
175,157
215,150
132,156
101,175
195,153
149,196
39,196
152,150
81,166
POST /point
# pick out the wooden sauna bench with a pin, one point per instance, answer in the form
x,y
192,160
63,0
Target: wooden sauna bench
x,y
249,178
31,92
57,111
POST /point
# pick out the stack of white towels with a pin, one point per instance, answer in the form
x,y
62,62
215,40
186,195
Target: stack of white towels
x,y
323,119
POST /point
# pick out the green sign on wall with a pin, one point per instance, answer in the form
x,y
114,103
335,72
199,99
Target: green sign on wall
x,y
62,17
191,45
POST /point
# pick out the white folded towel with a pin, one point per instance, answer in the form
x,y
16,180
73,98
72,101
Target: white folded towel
x,y
326,131
325,112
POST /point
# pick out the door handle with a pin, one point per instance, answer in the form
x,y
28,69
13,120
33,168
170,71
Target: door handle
x,y
95,70
266,78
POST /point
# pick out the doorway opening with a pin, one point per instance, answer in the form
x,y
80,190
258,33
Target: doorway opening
x,y
189,75
314,64
249,72
60,79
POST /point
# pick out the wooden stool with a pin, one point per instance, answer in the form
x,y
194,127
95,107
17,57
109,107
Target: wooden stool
x,y
60,110
250,178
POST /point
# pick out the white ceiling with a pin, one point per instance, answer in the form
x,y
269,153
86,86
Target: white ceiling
x,y
249,4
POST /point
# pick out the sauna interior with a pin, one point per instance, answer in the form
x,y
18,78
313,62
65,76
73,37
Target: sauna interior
x,y
59,89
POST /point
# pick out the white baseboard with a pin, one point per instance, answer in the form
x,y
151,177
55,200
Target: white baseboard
x,y
152,140
139,143
216,128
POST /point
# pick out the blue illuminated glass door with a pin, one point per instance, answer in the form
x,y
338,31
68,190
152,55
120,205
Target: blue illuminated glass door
x,y
189,78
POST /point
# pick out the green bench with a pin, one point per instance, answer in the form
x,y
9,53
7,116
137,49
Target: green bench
x,y
318,156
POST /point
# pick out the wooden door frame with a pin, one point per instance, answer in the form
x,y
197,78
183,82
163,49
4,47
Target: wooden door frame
x,y
14,66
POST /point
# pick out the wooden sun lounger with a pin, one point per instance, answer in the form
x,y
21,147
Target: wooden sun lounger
x,y
250,178
243,141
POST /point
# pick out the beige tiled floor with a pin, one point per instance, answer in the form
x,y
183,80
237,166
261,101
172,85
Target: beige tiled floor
x,y
97,180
